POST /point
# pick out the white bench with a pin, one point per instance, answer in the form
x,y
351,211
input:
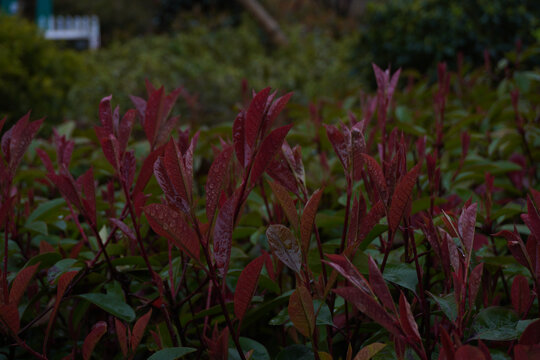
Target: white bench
x,y
72,28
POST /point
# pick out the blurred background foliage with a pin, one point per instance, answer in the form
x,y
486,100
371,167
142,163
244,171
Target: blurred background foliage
x,y
209,46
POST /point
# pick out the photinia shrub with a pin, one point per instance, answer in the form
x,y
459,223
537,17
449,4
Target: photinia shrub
x,y
401,232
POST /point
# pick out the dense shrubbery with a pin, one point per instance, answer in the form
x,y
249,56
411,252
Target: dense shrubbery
x,y
211,63
34,74
419,33
410,229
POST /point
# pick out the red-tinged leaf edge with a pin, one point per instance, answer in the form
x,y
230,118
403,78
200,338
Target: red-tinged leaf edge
x,y
466,225
308,219
469,352
222,235
138,330
170,224
98,330
217,175
286,202
406,319
246,286
378,284
401,197
254,116
339,143
269,147
343,265
122,336
521,294
9,317
20,283
302,312
377,176
285,246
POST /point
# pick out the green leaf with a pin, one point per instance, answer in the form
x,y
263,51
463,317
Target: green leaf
x,y
171,353
59,268
401,274
111,304
296,352
45,260
37,226
496,323
323,316
43,209
259,351
447,304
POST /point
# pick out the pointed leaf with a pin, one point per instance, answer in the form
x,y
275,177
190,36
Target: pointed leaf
x,y
379,286
376,174
406,319
369,306
521,294
112,304
401,197
254,116
286,202
223,230
98,330
369,351
343,265
9,317
269,147
339,143
301,311
246,286
466,224
20,283
217,175
170,224
308,218
171,353
121,334
285,246
138,330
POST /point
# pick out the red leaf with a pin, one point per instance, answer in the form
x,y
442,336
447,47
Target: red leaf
x,y
153,115
124,130
280,171
344,266
369,221
468,352
339,143
406,319
138,330
254,116
86,182
171,195
526,352
239,140
521,294
98,330
379,287
147,169
466,224
285,246
246,286
127,168
269,147
517,248
531,335
301,311
217,176
124,228
20,283
358,148
223,230
121,334
176,171
475,280
401,197
269,265
170,224
369,306
275,109
63,283
308,218
9,316
286,202
376,175
16,140
105,114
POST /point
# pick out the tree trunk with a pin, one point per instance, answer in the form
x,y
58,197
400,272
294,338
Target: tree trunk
x,y
270,26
